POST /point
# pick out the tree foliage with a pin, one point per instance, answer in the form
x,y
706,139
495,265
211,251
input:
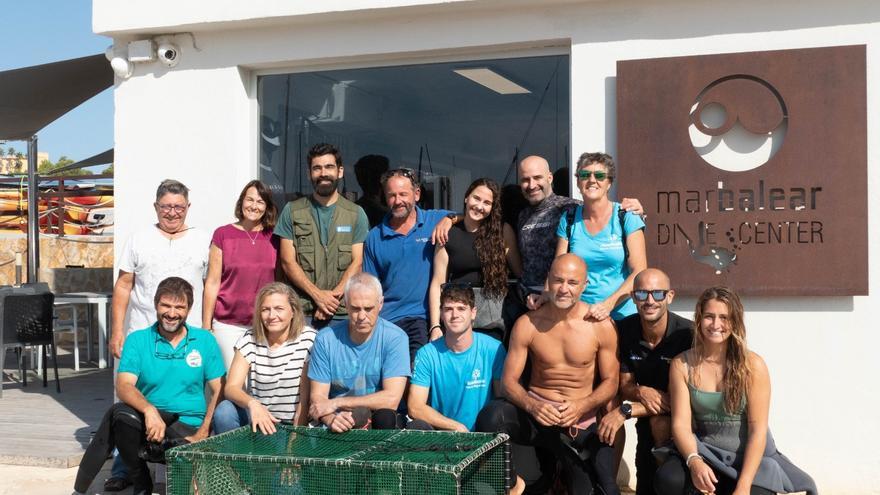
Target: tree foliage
x,y
47,167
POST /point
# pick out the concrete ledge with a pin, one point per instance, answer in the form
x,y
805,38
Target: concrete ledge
x,y
50,461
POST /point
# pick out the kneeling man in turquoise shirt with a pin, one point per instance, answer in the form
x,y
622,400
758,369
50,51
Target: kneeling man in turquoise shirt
x,y
161,382
455,376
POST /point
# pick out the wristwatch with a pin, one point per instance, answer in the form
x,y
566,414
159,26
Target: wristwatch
x,y
627,410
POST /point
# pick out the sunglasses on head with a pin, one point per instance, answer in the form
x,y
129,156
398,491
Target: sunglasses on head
x,y
585,174
455,285
401,172
642,295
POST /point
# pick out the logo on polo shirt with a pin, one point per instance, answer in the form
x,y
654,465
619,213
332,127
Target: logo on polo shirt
x,y
194,359
422,239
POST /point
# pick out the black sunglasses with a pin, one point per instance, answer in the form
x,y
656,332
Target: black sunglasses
x,y
179,353
401,172
642,295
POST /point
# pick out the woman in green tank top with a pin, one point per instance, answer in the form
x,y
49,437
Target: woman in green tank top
x,y
720,399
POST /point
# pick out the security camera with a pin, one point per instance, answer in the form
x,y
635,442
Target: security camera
x,y
169,54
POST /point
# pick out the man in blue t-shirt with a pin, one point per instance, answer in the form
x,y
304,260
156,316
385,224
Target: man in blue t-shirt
x,y
161,382
457,375
400,253
359,368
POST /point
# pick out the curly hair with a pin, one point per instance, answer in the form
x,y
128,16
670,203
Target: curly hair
x,y
737,373
604,159
489,242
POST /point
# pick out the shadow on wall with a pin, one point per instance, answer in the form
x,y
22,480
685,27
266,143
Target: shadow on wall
x,y
806,304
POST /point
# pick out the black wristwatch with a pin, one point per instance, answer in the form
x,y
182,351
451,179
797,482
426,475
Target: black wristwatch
x,y
627,410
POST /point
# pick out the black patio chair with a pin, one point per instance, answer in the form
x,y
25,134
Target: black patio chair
x,y
27,320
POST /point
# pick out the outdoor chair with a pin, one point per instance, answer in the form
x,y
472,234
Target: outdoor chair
x,y
67,321
27,319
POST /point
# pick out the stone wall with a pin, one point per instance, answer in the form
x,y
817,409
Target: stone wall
x,y
92,255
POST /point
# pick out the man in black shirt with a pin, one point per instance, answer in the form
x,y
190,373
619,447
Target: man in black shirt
x,y
648,342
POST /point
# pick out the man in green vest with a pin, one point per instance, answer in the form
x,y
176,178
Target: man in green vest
x,y
322,239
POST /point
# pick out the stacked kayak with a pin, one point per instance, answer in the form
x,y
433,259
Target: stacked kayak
x,y
89,212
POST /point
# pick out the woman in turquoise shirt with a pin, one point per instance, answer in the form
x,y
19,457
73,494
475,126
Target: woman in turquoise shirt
x,y
610,241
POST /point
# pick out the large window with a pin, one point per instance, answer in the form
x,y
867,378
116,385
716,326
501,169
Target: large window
x,y
453,122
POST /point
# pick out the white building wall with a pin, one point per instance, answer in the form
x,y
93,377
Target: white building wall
x,y
197,123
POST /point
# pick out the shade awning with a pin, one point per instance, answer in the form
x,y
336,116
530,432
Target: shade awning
x,y
99,159
33,97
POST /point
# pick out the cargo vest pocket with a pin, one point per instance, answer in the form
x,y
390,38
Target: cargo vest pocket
x,y
344,258
305,256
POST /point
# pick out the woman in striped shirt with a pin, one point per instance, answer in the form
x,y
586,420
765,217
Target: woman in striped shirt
x,y
273,357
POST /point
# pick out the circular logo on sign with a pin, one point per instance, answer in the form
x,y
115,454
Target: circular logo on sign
x,y
738,123
194,359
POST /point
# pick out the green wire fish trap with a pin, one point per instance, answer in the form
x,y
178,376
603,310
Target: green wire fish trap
x,y
299,460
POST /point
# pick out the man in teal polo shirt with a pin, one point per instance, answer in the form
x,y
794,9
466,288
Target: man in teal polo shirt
x,y
161,382
400,253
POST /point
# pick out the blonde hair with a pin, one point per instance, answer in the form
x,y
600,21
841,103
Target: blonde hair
x,y
297,321
737,373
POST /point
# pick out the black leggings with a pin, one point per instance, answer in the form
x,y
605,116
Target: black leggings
x,y
129,432
674,478
646,465
583,456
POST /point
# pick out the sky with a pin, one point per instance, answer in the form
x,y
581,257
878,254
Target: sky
x,y
41,31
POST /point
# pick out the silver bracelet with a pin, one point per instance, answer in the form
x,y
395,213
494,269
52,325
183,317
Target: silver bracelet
x,y
690,457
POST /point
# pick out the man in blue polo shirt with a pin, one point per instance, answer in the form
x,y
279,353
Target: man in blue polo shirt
x,y
161,383
400,252
459,373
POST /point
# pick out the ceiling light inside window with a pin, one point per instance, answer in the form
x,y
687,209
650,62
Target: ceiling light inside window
x,y
492,80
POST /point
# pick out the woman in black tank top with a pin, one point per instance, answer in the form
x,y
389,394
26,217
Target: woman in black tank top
x,y
477,253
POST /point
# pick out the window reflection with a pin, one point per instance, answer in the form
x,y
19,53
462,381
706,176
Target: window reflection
x,y
451,122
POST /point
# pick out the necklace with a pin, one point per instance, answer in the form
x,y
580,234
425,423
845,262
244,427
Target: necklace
x,y
256,230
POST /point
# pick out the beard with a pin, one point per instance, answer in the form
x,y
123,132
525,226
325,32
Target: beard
x,y
171,327
325,189
402,212
564,304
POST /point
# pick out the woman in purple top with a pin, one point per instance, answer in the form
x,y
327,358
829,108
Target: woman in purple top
x,y
241,260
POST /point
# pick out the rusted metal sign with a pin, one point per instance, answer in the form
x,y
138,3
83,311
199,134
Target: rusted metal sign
x,y
752,168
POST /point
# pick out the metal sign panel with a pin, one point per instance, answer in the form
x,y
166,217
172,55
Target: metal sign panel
x,y
752,168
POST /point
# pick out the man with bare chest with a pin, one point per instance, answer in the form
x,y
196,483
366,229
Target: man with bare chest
x,y
574,372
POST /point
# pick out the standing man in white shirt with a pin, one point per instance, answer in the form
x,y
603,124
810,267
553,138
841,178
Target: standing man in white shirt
x,y
168,248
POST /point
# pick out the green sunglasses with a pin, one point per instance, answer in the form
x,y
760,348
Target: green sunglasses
x,y
585,175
